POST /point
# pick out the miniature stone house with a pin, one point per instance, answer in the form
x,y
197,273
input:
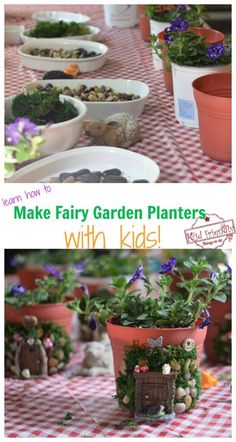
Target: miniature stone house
x,y
153,389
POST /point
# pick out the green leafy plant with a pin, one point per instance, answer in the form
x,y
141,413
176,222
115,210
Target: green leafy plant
x,y
166,13
51,289
46,29
189,49
159,306
43,107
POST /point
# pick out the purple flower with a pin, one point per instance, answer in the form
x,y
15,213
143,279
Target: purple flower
x,y
138,275
21,128
53,272
207,319
13,262
169,266
18,290
229,269
182,7
92,322
168,37
214,276
85,289
80,266
178,25
215,51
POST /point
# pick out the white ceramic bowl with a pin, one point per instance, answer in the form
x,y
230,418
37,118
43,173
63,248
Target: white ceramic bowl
x,y
133,165
60,15
13,34
92,36
104,109
60,136
49,64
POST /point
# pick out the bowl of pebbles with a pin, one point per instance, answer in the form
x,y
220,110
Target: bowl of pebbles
x,y
103,97
93,164
58,54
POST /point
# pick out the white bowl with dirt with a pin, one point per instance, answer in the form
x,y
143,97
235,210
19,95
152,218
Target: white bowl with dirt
x,y
60,136
133,165
42,63
60,15
104,109
93,35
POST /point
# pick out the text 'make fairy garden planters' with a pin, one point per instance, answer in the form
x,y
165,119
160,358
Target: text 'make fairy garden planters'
x,y
158,333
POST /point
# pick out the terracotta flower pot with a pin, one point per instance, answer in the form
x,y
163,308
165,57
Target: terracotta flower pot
x,y
28,274
144,24
218,311
211,37
122,337
57,313
213,98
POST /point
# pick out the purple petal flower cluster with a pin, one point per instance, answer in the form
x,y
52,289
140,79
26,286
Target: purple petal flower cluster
x,y
22,128
53,272
138,275
214,276
168,37
229,269
182,7
215,51
18,290
207,319
92,322
80,267
178,25
169,266
85,289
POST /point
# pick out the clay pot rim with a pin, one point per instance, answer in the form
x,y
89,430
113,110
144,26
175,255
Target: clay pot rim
x,y
207,94
221,36
109,321
201,68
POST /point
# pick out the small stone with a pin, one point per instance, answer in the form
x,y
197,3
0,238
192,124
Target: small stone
x,y
69,179
188,401
179,393
60,355
114,179
52,362
80,172
30,321
13,369
175,365
187,390
193,392
141,181
52,370
112,172
63,176
25,373
87,178
54,180
180,407
187,364
126,399
187,376
60,366
61,342
192,383
39,333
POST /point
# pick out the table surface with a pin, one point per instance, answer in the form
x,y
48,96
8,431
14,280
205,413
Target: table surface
x,y
174,147
34,408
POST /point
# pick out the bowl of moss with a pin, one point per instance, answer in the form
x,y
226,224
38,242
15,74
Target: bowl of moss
x,y
59,117
60,29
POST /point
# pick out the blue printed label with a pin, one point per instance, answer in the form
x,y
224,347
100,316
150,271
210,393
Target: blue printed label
x,y
186,109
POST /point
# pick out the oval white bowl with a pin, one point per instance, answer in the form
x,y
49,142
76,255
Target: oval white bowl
x,y
60,15
60,136
104,109
48,64
13,34
133,165
92,37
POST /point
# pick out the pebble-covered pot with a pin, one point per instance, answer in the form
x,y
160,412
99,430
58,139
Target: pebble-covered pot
x,y
122,337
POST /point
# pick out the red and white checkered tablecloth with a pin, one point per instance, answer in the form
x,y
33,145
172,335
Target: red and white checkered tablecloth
x,y
34,408
174,147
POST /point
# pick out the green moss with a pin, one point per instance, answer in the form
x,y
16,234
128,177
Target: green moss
x,y
46,29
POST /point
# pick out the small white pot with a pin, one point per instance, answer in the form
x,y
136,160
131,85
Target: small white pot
x,y
60,136
183,77
156,28
121,16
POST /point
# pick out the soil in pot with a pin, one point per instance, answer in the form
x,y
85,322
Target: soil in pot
x,y
122,337
213,98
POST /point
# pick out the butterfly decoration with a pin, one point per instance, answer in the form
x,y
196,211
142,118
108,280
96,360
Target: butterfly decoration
x,y
156,342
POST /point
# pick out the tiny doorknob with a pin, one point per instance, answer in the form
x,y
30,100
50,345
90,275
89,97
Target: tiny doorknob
x,y
146,396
